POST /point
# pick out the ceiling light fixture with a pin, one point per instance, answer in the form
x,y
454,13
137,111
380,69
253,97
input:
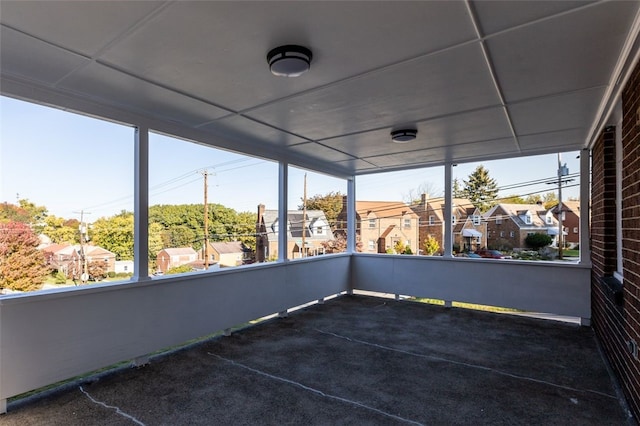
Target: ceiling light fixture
x,y
403,136
289,60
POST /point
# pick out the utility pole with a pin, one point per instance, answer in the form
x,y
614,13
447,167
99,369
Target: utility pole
x,y
304,215
83,238
205,174
562,171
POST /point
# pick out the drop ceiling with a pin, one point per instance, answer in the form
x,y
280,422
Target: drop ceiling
x,y
478,80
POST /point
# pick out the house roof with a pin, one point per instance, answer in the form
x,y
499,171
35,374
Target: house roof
x,y
462,207
294,217
179,251
228,247
569,205
90,250
478,80
53,248
516,211
384,209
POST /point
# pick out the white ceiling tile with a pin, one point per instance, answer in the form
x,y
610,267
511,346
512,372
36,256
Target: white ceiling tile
x,y
116,88
316,150
496,16
243,128
448,82
81,26
43,63
222,46
556,112
564,140
566,53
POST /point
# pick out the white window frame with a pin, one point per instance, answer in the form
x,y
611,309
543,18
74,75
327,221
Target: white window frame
x,y
454,219
512,234
372,245
431,220
499,219
407,223
527,218
372,223
476,219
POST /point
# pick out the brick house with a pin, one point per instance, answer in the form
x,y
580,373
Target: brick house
x,y
469,230
570,221
173,257
67,258
316,232
382,224
508,225
615,239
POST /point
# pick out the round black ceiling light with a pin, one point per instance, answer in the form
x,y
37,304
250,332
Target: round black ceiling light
x,y
289,60
403,136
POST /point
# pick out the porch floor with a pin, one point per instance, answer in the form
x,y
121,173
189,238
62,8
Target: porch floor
x,y
356,360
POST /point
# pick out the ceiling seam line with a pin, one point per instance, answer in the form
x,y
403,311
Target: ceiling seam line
x,y
199,126
541,20
94,57
557,94
360,75
169,88
492,72
420,120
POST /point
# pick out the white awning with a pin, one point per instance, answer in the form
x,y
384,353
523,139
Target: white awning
x,y
554,231
471,233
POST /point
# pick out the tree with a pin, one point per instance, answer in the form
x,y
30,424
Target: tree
x,y
481,189
22,265
549,200
431,246
97,270
414,195
457,191
399,247
514,199
330,203
58,231
339,245
537,241
115,234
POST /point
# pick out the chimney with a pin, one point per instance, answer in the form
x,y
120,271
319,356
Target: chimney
x,y
423,201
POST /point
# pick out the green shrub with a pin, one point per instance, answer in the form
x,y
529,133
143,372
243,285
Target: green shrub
x,y
537,241
111,274
60,278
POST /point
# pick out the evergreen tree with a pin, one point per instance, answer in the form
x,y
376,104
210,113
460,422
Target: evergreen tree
x,y
481,189
457,191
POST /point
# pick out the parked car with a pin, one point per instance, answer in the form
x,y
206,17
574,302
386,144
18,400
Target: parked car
x,y
469,254
492,254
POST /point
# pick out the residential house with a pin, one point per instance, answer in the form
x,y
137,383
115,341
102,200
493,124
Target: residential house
x,y
570,221
98,254
316,231
381,225
63,258
67,258
124,267
508,225
469,230
229,253
173,257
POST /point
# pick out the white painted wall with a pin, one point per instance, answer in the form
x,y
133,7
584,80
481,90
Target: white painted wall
x,y
562,289
55,335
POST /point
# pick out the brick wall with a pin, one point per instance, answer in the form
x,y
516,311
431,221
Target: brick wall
x,y
617,320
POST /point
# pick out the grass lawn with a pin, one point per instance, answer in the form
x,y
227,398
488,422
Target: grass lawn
x,y
574,253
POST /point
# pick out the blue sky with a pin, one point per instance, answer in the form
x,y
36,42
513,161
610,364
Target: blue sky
x,y
68,163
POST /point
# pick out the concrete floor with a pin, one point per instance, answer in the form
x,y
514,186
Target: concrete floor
x,y
356,360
